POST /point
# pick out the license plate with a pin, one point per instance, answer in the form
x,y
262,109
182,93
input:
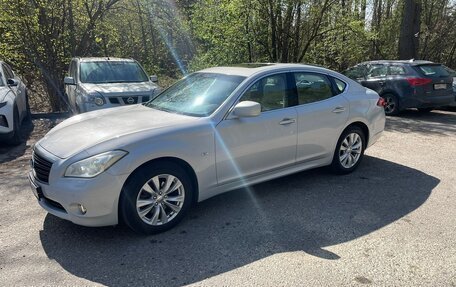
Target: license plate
x,y
36,189
440,86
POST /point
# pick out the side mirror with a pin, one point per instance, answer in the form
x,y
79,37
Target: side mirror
x,y
12,82
69,81
153,78
247,109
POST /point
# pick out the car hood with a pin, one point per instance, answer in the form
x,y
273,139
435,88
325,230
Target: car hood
x,y
114,88
86,130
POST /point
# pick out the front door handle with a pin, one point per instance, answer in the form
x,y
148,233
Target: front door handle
x,y
338,110
287,121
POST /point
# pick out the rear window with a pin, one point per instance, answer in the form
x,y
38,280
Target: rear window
x,y
450,71
433,71
340,86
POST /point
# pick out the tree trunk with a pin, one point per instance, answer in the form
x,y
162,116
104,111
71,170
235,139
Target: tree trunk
x,y
410,29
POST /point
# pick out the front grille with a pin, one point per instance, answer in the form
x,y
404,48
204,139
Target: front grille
x,y
41,167
129,100
113,100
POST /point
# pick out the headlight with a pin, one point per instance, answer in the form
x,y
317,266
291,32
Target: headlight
x,y
93,166
94,98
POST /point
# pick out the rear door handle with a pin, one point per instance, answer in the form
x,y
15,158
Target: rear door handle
x,y
381,83
287,121
339,110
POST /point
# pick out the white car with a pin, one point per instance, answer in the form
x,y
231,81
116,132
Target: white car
x,y
13,105
213,131
99,83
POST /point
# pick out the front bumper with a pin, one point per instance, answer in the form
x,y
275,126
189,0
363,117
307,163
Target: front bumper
x,y
63,196
6,129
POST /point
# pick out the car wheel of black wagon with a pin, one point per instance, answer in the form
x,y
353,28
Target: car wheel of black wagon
x,y
156,197
349,150
391,104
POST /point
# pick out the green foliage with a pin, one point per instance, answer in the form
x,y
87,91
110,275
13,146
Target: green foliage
x,y
170,38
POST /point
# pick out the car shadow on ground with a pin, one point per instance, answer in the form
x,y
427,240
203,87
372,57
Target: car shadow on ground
x,y
30,131
432,123
11,152
304,212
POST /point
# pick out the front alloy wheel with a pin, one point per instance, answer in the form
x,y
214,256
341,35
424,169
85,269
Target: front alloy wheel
x,y
156,197
160,199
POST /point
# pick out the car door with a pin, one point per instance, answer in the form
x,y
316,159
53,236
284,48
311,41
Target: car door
x,y
247,147
376,78
322,114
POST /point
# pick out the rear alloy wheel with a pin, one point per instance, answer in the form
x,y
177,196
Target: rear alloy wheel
x,y
156,197
349,150
391,104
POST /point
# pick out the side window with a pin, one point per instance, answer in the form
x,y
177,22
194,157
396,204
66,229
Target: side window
x,y
396,70
271,92
340,85
377,71
312,87
8,73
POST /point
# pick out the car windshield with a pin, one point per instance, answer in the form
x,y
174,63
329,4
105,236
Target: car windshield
x,y
198,94
99,72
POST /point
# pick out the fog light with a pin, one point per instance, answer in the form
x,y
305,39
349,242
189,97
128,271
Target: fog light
x,y
3,121
82,209
99,101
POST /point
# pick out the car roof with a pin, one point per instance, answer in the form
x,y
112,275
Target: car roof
x,y
103,59
248,69
411,62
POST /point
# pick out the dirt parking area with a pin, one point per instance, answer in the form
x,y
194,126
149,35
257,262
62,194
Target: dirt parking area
x,y
390,223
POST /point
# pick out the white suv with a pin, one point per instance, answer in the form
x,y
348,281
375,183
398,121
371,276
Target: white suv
x,y
13,105
98,83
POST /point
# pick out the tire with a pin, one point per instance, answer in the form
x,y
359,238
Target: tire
x,y
392,104
351,138
425,110
147,209
16,139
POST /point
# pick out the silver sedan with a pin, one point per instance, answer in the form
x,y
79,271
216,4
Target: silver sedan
x,y
213,131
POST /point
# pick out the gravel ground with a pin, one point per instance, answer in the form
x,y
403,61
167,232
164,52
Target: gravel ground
x,y
391,223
